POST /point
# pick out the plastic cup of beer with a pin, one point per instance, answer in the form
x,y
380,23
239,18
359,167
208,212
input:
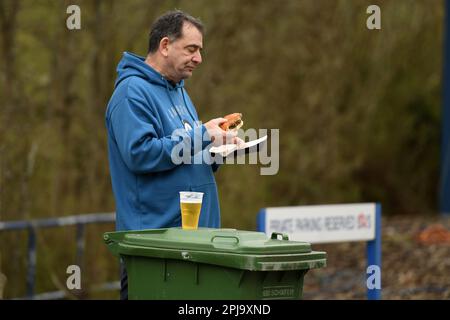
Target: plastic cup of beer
x,y
191,205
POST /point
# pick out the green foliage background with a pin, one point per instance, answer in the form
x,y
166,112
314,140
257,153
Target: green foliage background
x,y
358,111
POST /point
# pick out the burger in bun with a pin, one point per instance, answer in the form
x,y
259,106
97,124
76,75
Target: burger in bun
x,y
233,123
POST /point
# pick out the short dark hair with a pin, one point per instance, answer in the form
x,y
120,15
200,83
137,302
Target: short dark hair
x,y
170,25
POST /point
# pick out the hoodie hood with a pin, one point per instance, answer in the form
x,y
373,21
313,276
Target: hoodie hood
x,y
133,65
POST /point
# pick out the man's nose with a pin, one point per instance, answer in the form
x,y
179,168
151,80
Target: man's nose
x,y
197,58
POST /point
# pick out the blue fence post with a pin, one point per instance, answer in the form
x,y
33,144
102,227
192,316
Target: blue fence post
x,y
31,272
374,254
261,220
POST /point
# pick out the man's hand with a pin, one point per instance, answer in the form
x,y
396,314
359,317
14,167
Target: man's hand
x,y
219,136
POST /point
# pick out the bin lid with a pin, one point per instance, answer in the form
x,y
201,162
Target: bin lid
x,y
223,240
243,249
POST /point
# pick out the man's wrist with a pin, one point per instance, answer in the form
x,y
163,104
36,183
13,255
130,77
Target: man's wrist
x,y
206,138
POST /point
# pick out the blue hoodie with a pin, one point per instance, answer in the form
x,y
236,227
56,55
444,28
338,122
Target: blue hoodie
x,y
141,116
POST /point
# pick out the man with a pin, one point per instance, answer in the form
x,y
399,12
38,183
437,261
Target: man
x,y
148,105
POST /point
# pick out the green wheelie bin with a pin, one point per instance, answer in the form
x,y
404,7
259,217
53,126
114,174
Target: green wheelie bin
x,y
208,263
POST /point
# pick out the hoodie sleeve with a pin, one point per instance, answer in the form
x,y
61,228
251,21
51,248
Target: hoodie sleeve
x,y
143,151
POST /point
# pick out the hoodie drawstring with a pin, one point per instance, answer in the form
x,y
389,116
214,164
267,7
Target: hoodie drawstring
x,y
186,105
175,107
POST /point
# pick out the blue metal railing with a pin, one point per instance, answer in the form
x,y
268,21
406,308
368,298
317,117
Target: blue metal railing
x,y
33,225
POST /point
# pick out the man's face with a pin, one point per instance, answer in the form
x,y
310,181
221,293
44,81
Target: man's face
x,y
184,54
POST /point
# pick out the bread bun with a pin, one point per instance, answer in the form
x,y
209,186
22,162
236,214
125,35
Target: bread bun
x,y
233,123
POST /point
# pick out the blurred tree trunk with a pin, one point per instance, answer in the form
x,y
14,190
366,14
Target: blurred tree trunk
x,y
8,27
102,68
64,65
11,170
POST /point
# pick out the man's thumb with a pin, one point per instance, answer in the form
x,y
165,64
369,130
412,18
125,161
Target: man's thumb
x,y
219,120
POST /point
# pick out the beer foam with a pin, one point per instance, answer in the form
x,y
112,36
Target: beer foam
x,y
191,197
190,200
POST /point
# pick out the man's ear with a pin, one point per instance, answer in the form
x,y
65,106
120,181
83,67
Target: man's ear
x,y
164,46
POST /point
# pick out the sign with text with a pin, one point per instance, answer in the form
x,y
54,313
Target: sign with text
x,y
323,223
